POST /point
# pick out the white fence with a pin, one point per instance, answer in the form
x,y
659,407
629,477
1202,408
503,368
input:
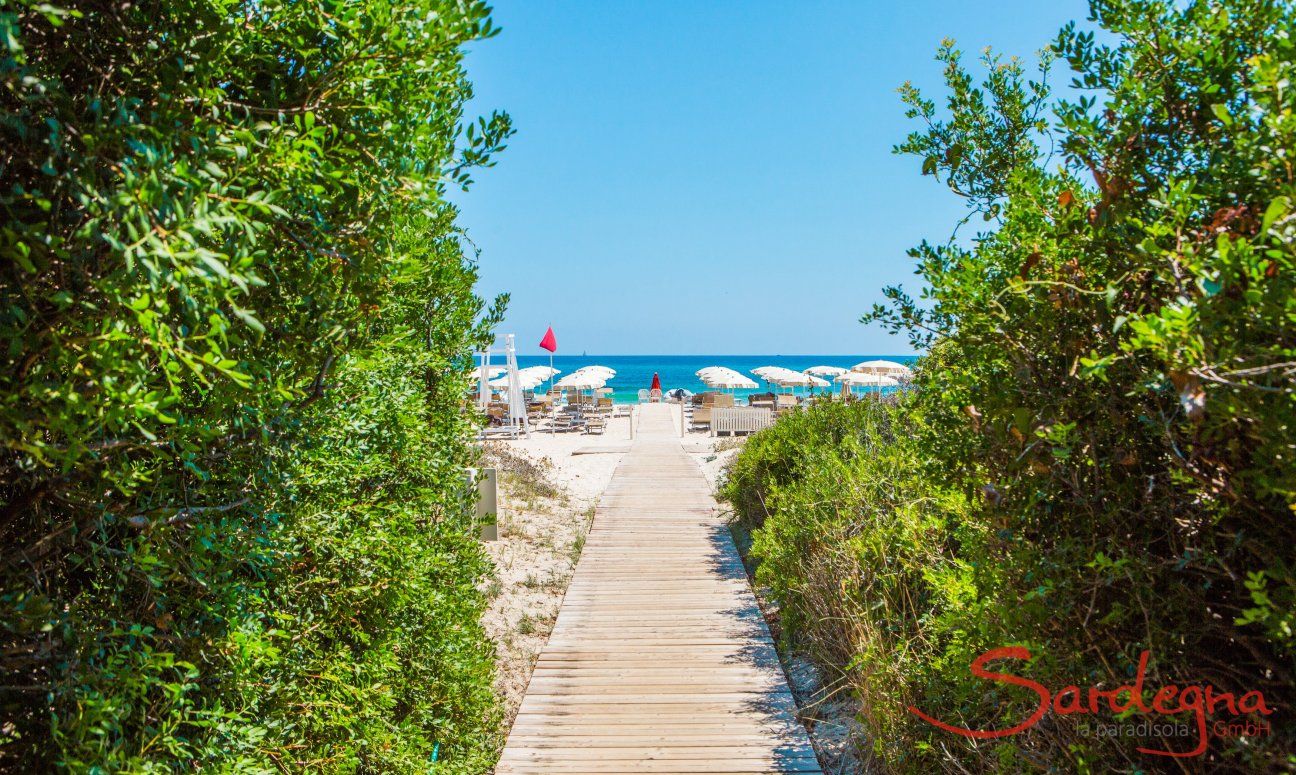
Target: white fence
x,y
740,420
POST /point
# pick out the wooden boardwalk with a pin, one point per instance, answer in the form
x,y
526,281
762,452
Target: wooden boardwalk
x,y
660,661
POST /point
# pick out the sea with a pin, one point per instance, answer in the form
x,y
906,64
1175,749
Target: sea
x,y
635,372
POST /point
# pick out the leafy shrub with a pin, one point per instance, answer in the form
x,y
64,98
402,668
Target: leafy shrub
x,y
1109,391
235,326
879,575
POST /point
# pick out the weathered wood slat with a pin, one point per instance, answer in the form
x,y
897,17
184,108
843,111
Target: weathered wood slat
x,y
660,660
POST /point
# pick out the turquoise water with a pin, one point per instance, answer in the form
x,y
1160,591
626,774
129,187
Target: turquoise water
x,y
677,371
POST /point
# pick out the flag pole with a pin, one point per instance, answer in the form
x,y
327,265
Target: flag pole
x,y
550,343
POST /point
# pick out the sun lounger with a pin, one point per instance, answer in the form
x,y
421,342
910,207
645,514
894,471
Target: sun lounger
x,y
571,418
717,399
568,422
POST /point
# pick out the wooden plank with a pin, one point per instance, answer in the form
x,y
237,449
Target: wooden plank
x,y
659,660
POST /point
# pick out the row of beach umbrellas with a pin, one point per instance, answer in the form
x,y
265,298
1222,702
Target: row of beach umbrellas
x,y
584,378
875,373
530,377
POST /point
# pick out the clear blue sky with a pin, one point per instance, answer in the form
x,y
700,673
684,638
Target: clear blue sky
x,y
715,177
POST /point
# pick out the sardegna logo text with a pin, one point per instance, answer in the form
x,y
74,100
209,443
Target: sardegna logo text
x,y
1203,701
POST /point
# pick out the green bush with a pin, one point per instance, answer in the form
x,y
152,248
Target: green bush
x,y
881,577
236,318
1102,426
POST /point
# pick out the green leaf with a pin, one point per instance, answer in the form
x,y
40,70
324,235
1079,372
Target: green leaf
x,y
1222,113
1276,209
248,318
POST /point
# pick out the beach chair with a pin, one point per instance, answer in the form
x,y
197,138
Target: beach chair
x,y
701,418
655,396
567,421
595,425
643,396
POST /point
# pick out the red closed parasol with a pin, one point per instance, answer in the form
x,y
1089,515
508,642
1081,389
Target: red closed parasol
x,y
656,383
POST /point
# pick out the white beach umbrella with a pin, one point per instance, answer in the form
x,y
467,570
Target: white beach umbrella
x,y
516,406
527,381
767,373
825,371
543,372
789,378
852,379
540,373
859,378
724,378
728,381
720,373
716,371
888,368
783,377
581,381
606,372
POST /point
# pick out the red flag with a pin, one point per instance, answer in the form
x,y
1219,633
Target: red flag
x,y
550,342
